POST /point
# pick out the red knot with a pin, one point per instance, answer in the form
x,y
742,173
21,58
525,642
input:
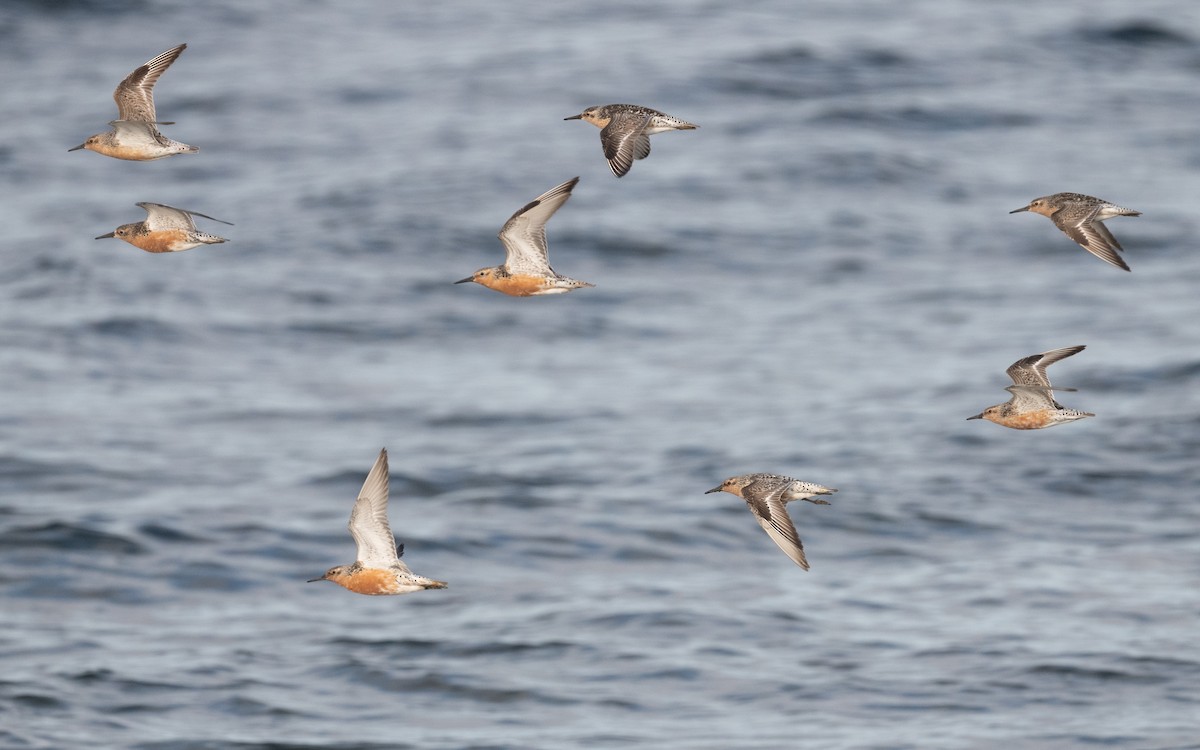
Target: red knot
x,y
165,230
526,270
767,496
1080,217
625,131
134,135
378,571
1032,406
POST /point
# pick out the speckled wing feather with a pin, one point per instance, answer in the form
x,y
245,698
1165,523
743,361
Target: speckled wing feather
x,y
524,234
765,499
1032,369
624,139
135,95
369,522
168,217
1027,398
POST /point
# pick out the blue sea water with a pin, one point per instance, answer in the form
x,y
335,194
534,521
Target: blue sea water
x,y
822,281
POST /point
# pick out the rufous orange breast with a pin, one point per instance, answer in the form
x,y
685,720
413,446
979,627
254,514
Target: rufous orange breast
x,y
369,581
1030,420
163,241
128,153
516,285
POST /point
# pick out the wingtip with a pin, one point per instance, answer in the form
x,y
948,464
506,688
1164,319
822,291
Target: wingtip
x,y
1067,351
1111,259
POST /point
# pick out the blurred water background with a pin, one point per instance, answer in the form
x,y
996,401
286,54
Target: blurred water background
x,y
822,281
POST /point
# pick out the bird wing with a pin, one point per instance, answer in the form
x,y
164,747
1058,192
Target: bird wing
x,y
1031,371
369,522
1031,398
137,133
524,234
169,217
159,216
135,95
624,139
1099,228
1090,234
767,504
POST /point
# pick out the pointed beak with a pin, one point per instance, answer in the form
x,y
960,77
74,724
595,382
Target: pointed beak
x,y
104,236
463,281
76,148
572,117
314,580
714,489
977,416
1019,210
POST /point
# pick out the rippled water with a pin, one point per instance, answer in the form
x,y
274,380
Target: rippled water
x,y
822,280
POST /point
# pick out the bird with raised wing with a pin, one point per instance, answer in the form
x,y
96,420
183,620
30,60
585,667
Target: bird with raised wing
x,y
526,270
378,570
134,136
165,230
1032,406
